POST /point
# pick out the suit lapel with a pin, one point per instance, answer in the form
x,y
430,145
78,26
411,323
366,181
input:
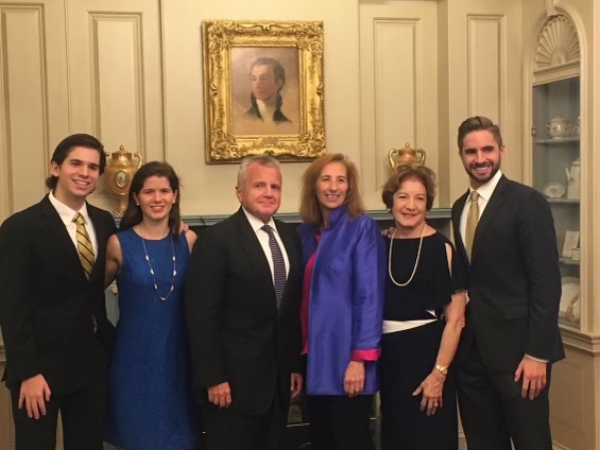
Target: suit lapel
x,y
253,250
101,238
291,250
494,204
456,215
64,243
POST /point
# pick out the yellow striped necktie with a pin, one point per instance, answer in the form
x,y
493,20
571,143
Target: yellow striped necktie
x,y
472,221
84,245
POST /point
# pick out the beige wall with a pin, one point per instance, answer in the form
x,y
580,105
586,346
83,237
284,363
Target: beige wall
x,y
129,71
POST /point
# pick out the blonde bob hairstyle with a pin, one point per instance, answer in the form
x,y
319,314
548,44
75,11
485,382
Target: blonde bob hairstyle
x,y
310,208
409,172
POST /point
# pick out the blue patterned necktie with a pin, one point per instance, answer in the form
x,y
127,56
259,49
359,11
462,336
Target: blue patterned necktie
x,y
279,275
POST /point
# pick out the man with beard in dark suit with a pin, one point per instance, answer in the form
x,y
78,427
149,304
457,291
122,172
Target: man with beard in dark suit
x,y
504,233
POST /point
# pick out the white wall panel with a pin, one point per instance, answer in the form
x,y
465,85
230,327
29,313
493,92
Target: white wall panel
x,y
117,79
398,87
24,105
486,65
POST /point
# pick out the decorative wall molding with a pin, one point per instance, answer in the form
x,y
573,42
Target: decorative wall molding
x,y
24,102
117,78
558,44
438,214
486,64
589,344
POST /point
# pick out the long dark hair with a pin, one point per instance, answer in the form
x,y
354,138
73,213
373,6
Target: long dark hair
x,y
133,214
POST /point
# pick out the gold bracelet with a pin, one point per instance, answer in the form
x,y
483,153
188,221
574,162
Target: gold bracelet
x,y
442,369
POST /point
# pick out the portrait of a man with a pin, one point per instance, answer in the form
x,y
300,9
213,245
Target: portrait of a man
x,y
265,91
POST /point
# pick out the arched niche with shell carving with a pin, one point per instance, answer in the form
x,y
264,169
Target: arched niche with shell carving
x,y
557,47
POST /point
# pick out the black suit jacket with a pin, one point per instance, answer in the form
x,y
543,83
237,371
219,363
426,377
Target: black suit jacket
x,y
237,335
46,301
514,277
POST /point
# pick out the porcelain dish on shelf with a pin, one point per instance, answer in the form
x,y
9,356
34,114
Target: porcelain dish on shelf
x,y
570,304
554,190
573,313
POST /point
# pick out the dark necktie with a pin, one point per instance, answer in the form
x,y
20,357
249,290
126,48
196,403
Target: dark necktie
x,y
278,265
84,246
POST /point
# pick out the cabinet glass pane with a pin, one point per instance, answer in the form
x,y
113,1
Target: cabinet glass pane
x,y
556,170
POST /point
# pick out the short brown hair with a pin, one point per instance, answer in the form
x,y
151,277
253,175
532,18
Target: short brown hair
x,y
310,210
406,172
478,123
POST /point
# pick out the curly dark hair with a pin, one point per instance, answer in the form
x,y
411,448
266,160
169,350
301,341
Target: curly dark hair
x,y
406,172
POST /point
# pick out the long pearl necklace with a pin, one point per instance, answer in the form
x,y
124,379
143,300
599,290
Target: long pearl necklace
x,y
414,271
165,298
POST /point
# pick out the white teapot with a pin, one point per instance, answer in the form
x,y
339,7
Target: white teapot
x,y
558,128
574,177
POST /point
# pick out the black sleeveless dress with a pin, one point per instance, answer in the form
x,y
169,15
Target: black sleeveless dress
x,y
408,356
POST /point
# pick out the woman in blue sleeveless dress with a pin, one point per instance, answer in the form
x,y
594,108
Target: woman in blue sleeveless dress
x,y
151,407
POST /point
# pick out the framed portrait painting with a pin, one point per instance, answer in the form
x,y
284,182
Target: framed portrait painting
x,y
263,90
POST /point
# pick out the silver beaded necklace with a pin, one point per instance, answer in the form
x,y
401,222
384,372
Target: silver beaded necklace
x,y
165,298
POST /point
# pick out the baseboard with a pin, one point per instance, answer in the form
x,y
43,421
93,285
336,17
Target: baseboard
x,y
462,444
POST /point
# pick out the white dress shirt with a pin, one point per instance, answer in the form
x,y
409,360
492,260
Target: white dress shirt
x,y
485,193
263,238
67,215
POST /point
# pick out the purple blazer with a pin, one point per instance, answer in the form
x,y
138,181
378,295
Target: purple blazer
x,y
345,301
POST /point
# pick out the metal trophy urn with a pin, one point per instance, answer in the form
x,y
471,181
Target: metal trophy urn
x,y
406,155
118,175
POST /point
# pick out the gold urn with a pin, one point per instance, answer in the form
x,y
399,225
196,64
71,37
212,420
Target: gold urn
x,y
406,155
118,175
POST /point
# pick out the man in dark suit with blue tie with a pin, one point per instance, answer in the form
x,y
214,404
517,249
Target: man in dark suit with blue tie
x,y
504,232
242,304
52,310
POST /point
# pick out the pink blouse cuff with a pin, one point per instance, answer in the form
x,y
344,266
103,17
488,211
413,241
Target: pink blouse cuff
x,y
366,355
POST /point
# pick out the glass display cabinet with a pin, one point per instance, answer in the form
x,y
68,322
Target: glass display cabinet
x,y
557,174
555,149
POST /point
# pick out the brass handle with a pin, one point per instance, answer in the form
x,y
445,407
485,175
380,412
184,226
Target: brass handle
x,y
392,157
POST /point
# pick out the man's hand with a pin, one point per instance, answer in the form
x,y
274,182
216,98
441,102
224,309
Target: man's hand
x,y
183,227
220,395
296,385
534,377
354,378
34,394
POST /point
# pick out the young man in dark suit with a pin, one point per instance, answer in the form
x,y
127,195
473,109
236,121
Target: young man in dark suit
x,y
52,310
504,232
242,304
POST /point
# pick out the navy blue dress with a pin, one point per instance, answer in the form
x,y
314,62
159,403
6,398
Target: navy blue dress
x,y
151,405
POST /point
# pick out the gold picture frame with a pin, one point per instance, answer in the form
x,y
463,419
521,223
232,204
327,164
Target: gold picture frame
x,y
240,117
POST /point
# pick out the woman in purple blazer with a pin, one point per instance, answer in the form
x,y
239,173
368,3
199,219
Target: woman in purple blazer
x,y
342,304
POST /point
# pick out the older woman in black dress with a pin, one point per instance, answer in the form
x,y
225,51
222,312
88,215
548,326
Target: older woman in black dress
x,y
423,319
